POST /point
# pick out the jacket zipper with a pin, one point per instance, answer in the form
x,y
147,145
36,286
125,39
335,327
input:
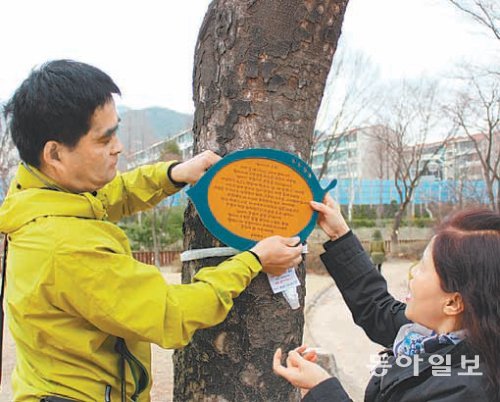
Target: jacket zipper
x,y
139,372
107,394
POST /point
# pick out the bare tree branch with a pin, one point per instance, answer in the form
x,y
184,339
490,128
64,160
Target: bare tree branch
x,y
405,127
347,103
476,113
485,12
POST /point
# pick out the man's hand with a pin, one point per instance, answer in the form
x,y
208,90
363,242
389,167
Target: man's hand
x,y
191,170
299,371
330,218
277,253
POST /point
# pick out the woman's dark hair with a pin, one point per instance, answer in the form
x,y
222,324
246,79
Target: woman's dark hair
x,y
56,102
466,253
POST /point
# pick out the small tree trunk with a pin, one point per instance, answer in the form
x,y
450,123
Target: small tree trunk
x,y
380,206
260,72
498,196
489,190
395,230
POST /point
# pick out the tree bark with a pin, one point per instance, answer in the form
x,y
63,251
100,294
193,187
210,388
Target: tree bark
x,y
395,230
259,75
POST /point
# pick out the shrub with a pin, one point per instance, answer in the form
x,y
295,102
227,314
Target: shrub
x,y
419,222
362,223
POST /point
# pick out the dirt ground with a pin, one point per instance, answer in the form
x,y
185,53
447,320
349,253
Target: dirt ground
x,y
329,326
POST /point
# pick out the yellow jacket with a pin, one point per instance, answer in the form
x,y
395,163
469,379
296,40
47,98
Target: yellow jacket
x,y
73,287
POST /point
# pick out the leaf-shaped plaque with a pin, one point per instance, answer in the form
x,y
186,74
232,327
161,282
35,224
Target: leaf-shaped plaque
x,y
256,193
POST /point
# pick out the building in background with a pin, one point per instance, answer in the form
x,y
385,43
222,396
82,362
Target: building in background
x,y
153,153
364,171
365,175
184,140
358,155
461,160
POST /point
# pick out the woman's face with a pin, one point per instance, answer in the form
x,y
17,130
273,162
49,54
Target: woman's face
x,y
426,300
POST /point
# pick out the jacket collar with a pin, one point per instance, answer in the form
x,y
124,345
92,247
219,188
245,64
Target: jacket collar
x,y
30,177
420,366
32,194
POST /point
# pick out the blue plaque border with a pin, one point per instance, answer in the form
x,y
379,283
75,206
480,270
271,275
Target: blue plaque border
x,y
199,192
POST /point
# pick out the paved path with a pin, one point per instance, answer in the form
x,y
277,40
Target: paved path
x,y
328,325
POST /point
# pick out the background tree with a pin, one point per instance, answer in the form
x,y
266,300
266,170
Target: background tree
x,y
476,113
485,12
348,103
168,227
259,75
383,169
155,229
405,128
475,110
170,151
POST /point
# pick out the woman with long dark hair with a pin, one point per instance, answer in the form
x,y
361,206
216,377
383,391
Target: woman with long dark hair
x,y
444,342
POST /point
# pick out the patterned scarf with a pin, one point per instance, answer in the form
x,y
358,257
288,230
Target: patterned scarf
x,y
413,339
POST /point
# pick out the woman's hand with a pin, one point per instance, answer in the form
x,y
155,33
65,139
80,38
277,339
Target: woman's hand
x,y
306,353
330,217
299,371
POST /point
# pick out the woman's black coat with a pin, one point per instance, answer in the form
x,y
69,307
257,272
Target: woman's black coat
x,y
380,315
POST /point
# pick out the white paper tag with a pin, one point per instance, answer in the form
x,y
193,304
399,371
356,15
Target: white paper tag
x,y
287,280
292,297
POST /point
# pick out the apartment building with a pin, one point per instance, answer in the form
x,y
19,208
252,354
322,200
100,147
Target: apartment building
x,y
355,154
461,160
151,154
366,176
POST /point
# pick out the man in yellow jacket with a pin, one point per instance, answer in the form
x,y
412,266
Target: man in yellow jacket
x,y
82,311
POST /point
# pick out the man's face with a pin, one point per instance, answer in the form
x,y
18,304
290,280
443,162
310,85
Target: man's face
x,y
92,162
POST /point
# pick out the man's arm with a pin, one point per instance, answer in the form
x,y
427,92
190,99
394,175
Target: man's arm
x,y
128,299
137,190
146,186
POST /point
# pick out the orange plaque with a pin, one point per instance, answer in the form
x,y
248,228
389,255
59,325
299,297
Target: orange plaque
x,y
256,193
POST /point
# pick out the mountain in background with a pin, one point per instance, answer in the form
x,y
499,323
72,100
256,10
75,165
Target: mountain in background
x,y
142,128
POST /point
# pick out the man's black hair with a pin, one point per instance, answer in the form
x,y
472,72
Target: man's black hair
x,y
56,102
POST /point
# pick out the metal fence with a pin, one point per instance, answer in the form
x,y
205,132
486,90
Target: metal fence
x,y
375,192
148,257
167,257
402,242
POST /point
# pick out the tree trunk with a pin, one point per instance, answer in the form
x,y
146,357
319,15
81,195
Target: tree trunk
x,y
489,190
380,206
398,217
259,75
498,196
